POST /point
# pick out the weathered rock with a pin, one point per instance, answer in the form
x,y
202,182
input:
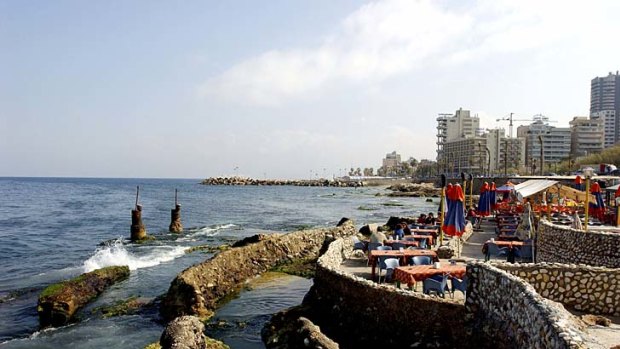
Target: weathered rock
x,y
197,290
187,332
415,190
250,240
289,329
59,302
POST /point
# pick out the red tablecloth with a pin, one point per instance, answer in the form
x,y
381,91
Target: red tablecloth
x,y
411,274
403,257
503,243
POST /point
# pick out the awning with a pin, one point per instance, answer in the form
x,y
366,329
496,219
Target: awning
x,y
613,188
532,187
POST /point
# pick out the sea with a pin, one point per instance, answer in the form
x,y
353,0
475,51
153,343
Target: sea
x,y
52,229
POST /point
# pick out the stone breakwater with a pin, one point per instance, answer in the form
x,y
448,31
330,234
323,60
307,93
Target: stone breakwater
x,y
560,244
415,190
197,290
508,312
300,183
590,289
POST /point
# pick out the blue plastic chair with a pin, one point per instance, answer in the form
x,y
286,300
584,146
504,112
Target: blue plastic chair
x,y
384,248
420,260
525,253
398,245
358,244
494,250
437,286
422,244
387,264
459,285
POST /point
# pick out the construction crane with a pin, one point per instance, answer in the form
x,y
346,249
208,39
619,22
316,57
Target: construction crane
x,y
535,118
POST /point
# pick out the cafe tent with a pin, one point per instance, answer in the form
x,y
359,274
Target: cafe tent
x,y
532,186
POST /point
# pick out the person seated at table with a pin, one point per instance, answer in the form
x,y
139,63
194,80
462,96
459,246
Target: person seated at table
x,y
378,237
472,216
422,219
406,228
430,219
399,232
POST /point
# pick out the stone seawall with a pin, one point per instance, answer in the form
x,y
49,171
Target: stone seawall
x,y
270,182
355,311
559,244
197,290
507,311
590,289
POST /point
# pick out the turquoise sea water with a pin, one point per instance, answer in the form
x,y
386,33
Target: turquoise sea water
x,y
55,228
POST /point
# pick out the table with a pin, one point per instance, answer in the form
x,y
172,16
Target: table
x,y
407,243
503,243
428,238
403,256
411,274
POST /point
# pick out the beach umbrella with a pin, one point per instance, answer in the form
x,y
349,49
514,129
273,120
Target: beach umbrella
x,y
492,198
454,221
597,207
484,204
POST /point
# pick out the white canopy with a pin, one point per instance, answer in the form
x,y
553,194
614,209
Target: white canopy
x,y
532,187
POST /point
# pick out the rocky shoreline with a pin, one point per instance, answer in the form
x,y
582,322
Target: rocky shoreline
x,y
271,182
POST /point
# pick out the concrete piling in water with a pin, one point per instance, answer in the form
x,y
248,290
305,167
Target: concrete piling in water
x,y
138,230
175,216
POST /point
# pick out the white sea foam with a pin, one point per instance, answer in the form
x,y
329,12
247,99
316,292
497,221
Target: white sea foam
x,y
117,254
211,231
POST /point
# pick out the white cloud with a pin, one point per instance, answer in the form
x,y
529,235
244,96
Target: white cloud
x,y
386,38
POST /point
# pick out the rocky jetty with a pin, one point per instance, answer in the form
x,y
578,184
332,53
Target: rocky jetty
x,y
197,290
299,183
59,302
415,190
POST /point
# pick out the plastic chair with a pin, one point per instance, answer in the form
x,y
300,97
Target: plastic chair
x,y
409,238
358,244
422,244
459,285
384,248
398,246
494,250
525,253
420,260
433,285
387,264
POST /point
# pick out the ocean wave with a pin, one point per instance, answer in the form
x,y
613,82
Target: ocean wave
x,y
117,254
213,230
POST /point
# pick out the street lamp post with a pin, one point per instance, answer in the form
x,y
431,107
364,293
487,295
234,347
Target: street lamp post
x,y
489,163
481,167
588,174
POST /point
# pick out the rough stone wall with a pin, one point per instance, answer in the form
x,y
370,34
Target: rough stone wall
x,y
594,290
505,308
196,290
355,311
560,244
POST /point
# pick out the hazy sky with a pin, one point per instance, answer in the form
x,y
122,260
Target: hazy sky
x,y
279,89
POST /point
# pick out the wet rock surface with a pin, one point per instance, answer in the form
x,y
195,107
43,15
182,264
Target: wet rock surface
x,y
187,332
59,302
198,289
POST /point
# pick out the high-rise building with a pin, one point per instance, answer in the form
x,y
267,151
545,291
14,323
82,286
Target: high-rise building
x,y
544,143
605,105
450,127
391,164
587,136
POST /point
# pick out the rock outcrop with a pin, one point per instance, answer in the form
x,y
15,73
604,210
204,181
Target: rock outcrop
x,y
187,332
415,190
197,290
59,302
289,329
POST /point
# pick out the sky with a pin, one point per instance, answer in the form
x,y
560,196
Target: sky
x,y
279,89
